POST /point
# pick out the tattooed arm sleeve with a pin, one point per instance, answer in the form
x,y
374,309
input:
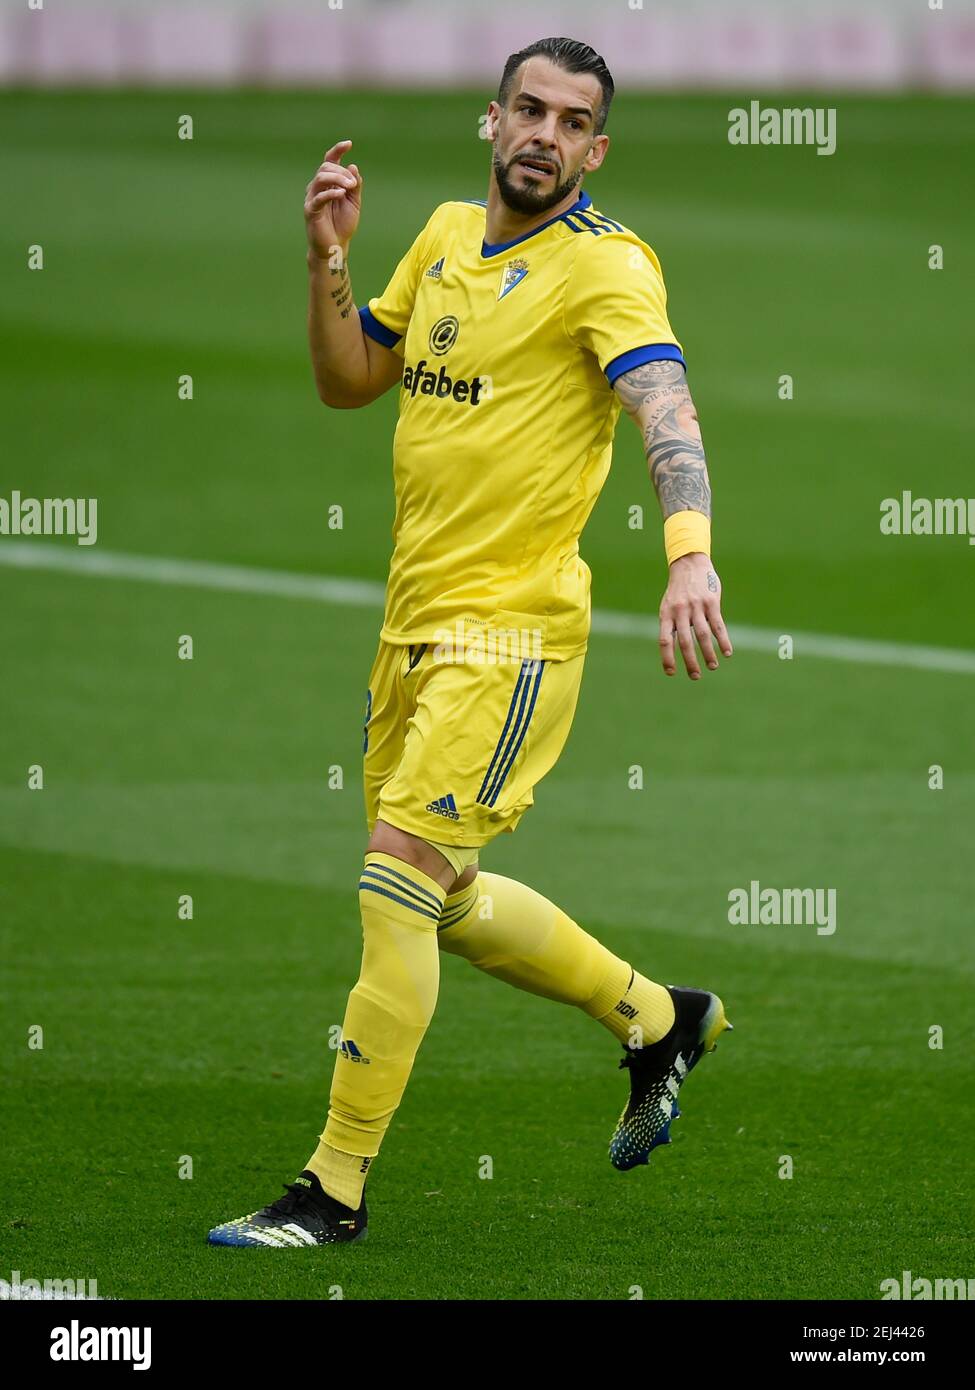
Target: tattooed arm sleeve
x,y
655,395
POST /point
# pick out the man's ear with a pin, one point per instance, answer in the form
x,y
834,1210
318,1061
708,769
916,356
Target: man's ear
x,y
597,153
491,121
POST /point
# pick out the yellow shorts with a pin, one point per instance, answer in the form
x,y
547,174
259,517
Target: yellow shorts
x,y
452,750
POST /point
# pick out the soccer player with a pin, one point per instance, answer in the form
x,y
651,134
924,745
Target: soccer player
x,y
516,329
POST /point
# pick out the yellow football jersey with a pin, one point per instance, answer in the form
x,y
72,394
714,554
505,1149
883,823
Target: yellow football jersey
x,y
507,415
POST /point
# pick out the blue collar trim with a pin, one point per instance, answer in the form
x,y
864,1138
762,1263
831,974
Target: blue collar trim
x,y
487,251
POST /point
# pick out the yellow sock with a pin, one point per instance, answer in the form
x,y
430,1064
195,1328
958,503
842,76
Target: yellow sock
x,y
386,1017
343,1176
508,930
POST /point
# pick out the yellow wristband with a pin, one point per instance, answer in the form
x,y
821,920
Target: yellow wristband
x,y
686,532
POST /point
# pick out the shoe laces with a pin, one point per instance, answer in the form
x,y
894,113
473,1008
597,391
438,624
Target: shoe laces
x,y
295,1197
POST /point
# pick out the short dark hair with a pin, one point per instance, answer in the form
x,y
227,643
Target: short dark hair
x,y
568,54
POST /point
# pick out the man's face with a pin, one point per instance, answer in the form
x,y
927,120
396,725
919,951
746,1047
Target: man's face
x,y
544,138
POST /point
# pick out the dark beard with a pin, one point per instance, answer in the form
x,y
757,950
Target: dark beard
x,y
529,200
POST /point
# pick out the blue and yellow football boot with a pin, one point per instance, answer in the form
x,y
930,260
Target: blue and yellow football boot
x,y
305,1215
658,1071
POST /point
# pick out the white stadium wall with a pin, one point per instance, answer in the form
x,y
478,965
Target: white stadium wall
x,y
873,45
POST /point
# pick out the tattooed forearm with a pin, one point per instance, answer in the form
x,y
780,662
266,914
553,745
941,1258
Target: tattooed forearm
x,y
656,396
343,293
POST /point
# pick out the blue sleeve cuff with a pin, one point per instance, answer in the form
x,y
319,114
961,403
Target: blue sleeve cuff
x,y
659,352
377,330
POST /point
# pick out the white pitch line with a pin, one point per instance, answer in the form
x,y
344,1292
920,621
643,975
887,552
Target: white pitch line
x,y
365,593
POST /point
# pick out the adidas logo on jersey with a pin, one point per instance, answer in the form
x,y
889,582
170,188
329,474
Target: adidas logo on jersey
x,y
444,806
436,270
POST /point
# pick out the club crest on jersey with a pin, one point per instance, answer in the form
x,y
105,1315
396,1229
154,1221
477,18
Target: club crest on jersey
x,y
513,274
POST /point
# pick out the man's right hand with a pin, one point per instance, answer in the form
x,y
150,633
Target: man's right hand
x,y
333,201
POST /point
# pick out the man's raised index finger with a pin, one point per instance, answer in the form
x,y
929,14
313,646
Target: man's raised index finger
x,y
338,151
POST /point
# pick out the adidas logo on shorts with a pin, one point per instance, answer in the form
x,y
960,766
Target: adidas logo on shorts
x,y
444,806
